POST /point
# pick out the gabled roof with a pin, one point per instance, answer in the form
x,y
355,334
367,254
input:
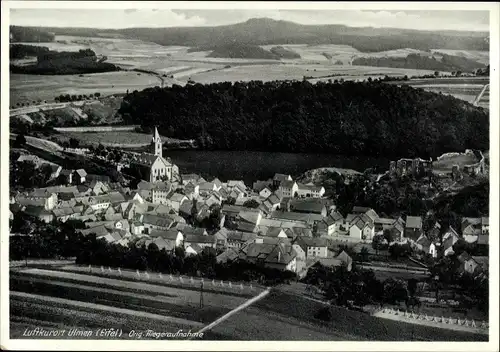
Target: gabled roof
x,y
81,172
423,241
246,227
177,197
273,231
250,216
195,247
161,221
313,241
308,206
345,258
238,236
193,231
414,222
170,234
293,216
281,177
199,239
287,184
144,159
295,232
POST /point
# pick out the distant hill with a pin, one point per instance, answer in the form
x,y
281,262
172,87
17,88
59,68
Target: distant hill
x,y
30,35
265,31
419,62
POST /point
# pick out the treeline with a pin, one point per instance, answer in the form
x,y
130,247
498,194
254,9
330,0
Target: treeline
x,y
20,51
65,63
27,34
415,61
242,51
367,118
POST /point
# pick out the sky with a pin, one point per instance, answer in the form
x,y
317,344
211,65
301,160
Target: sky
x,y
126,18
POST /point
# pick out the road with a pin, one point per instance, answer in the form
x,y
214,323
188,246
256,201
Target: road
x,y
48,106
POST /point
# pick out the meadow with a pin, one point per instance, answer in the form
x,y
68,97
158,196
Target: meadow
x,y
317,62
297,314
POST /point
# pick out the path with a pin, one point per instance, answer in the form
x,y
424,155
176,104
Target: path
x,y
234,311
480,95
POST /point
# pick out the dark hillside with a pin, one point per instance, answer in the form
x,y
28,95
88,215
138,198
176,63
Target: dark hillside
x,y
371,119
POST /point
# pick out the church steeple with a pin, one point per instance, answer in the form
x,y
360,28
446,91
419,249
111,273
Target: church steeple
x,y
157,143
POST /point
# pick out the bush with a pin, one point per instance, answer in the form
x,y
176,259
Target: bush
x,y
324,314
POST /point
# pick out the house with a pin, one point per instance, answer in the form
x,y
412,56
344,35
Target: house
x,y
313,247
79,176
191,231
330,224
63,214
288,189
482,262
260,185
39,212
160,191
229,255
372,214
427,246
47,201
200,240
447,245
345,259
413,228
265,193
154,222
137,228
191,191
192,178
450,233
468,264
250,216
472,228
382,224
276,232
278,256
153,166
271,203
309,219
193,249
310,191
361,228
278,179
175,201
294,232
173,237
111,237
308,206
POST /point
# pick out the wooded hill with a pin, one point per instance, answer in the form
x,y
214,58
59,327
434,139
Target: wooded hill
x,y
265,31
366,118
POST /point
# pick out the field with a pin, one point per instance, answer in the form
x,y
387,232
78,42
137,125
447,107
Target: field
x,y
52,297
465,88
296,314
123,139
43,87
320,62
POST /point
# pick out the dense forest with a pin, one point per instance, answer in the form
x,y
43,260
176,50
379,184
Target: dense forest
x,y
420,62
30,35
241,51
265,31
284,53
20,51
365,118
65,63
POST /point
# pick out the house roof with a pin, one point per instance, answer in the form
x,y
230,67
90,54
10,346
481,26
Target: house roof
x,y
413,222
250,216
281,177
238,236
271,253
177,197
424,241
273,232
156,220
193,231
190,238
287,184
304,217
294,232
313,241
484,261
360,210
246,227
345,258
260,185
144,159
228,255
308,206
81,172
170,234
195,247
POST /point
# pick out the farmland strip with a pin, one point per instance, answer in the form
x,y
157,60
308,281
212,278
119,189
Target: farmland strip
x,y
105,308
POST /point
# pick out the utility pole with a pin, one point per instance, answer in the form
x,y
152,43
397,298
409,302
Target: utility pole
x,y
201,294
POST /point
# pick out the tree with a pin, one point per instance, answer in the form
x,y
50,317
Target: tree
x,y
20,141
364,253
251,203
97,94
74,143
436,73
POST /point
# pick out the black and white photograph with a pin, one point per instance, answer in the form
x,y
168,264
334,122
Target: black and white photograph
x,y
274,176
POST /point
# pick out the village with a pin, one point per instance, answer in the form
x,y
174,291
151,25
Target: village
x,y
279,223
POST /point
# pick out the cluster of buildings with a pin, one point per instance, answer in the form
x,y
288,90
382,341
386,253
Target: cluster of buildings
x,y
280,222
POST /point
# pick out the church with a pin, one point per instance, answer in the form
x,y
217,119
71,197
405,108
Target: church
x,y
153,166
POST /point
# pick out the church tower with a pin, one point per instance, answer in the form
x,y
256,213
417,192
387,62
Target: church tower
x,y
157,143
